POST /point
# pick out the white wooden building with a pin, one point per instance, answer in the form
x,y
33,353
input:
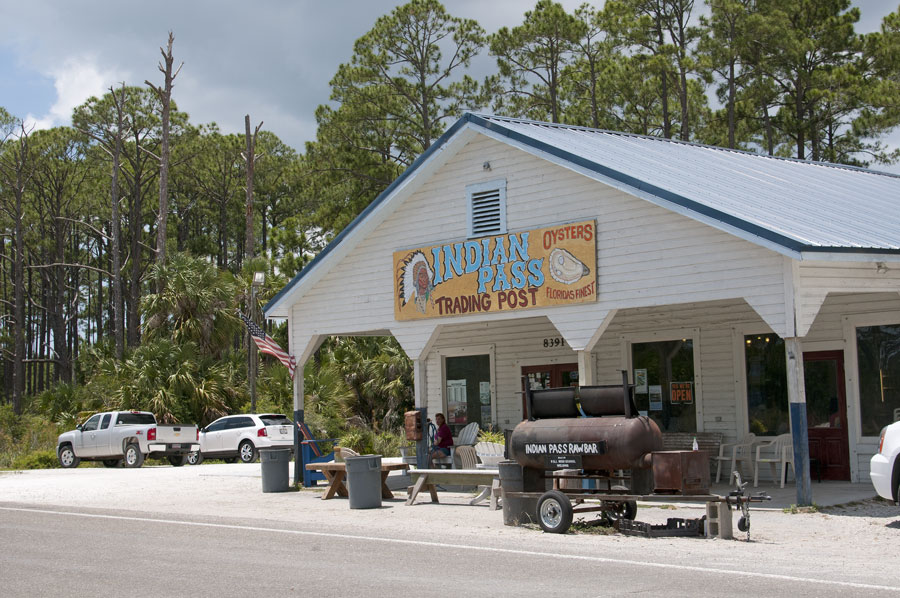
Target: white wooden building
x,y
706,268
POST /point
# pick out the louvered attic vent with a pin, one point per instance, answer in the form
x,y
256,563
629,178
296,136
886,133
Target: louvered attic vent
x,y
487,208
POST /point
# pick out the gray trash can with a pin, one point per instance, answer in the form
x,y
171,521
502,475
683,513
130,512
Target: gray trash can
x,y
275,469
516,509
364,481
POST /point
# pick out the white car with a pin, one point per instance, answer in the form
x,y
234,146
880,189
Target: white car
x,y
884,468
241,436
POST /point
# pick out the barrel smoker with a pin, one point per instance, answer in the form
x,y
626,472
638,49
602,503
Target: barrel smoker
x,y
590,442
593,441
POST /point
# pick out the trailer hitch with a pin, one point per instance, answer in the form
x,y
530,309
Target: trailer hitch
x,y
740,498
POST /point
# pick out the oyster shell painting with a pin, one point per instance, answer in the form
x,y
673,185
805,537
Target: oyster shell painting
x,y
565,267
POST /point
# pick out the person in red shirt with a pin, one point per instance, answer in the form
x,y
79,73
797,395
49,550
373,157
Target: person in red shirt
x,y
443,439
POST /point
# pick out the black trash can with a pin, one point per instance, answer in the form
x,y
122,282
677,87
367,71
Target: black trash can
x,y
275,469
516,509
364,481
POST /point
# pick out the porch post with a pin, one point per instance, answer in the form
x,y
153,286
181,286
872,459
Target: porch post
x,y
421,401
298,419
587,375
799,434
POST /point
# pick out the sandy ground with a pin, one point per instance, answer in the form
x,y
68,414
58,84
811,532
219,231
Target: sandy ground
x,y
840,540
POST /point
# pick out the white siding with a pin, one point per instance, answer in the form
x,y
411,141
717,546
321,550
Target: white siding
x,y
647,255
817,279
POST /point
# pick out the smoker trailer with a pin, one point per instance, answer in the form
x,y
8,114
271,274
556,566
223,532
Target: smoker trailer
x,y
592,443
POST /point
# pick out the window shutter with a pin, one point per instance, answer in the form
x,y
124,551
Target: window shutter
x,y
487,208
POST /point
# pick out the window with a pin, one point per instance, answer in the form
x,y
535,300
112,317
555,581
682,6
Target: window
x,y
664,383
218,425
878,356
487,208
91,424
468,391
767,399
239,422
135,418
105,423
275,420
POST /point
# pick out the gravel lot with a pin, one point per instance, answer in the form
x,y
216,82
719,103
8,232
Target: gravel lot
x,y
842,539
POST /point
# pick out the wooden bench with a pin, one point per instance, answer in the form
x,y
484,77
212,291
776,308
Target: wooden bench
x,y
684,441
428,479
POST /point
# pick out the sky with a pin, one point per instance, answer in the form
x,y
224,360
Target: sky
x,y
271,59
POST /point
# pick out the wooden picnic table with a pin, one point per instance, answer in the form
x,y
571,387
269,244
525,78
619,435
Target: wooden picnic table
x,y
336,472
429,479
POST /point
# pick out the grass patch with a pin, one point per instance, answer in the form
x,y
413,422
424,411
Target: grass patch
x,y
794,509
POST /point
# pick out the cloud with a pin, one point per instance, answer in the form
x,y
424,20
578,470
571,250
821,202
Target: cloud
x,y
76,80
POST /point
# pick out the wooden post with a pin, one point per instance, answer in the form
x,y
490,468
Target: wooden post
x,y
586,370
799,432
299,465
421,402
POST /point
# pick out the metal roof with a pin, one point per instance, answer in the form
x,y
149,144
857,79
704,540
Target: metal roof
x,y
802,205
799,205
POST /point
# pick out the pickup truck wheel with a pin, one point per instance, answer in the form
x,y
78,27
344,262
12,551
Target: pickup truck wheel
x,y
133,455
112,462
230,459
247,452
67,458
178,461
195,458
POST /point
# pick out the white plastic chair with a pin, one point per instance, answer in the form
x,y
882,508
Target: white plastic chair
x,y
468,435
489,453
778,450
735,453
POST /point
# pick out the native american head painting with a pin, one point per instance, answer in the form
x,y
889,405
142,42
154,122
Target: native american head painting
x,y
415,277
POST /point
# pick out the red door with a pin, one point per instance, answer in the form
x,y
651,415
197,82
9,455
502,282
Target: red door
x,y
826,414
548,376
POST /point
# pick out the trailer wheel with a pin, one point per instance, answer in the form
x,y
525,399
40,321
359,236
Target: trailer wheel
x,y
616,510
554,512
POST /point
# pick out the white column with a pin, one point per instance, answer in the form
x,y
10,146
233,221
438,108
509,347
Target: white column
x,y
587,372
420,389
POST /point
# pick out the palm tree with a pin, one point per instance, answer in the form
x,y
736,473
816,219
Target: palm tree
x,y
196,305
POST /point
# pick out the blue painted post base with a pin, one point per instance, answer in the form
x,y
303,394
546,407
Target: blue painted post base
x,y
800,436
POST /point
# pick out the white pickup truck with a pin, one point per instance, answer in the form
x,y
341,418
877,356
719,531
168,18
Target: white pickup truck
x,y
126,438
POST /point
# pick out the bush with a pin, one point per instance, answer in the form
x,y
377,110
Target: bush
x,y
36,460
387,444
360,440
22,435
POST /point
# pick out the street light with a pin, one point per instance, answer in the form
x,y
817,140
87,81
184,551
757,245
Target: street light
x,y
259,278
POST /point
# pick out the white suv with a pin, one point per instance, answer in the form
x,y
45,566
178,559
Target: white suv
x,y
884,468
241,436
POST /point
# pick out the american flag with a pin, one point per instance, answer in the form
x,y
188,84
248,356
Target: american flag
x,y
268,345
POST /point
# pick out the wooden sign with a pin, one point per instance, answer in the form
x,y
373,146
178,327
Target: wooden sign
x,y
536,268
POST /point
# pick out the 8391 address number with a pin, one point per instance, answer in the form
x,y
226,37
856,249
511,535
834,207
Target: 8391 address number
x,y
556,341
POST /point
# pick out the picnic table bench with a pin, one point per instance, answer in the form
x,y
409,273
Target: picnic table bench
x,y
428,479
336,472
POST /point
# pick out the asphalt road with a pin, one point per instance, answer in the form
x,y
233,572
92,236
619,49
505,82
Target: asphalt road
x,y
53,551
